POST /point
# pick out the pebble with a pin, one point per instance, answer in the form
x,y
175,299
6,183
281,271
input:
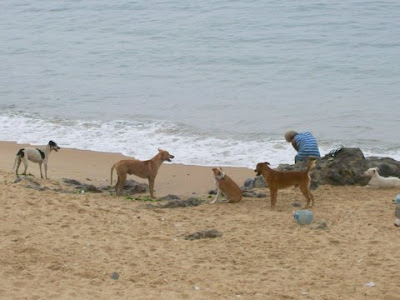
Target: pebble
x,y
114,276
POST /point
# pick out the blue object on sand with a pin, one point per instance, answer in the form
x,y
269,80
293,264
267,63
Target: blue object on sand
x,y
397,200
304,216
397,210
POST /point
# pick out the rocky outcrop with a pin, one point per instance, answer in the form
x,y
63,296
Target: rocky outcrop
x,y
387,166
346,166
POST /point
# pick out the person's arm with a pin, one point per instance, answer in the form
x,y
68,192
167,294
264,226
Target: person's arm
x,y
295,145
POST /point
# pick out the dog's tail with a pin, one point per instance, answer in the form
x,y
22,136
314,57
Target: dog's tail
x,y
19,155
112,171
311,165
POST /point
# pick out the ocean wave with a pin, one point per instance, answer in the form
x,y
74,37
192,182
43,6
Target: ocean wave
x,y
141,139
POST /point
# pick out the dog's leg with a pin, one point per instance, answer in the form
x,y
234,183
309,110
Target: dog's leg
x,y
116,186
120,184
18,164
274,196
45,170
25,165
216,196
40,167
151,187
306,192
312,198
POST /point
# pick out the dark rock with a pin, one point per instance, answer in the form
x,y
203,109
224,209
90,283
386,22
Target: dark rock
x,y
114,276
297,167
212,192
32,181
248,183
71,181
203,235
183,203
253,194
313,185
296,204
387,166
347,167
43,188
90,188
32,184
249,194
133,187
82,186
170,197
259,182
177,203
62,191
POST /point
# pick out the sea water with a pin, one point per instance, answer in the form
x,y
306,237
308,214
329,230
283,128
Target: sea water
x,y
213,82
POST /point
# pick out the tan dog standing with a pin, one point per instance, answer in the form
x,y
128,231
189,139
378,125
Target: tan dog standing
x,y
227,186
282,179
143,169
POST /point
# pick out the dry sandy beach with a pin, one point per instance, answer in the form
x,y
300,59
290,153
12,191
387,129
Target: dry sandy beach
x,y
57,245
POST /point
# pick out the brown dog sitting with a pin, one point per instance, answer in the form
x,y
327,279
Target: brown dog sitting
x,y
227,186
143,169
282,179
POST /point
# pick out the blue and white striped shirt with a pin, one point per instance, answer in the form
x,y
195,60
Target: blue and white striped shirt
x,y
307,146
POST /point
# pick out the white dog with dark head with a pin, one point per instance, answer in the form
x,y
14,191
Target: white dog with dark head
x,y
38,155
378,181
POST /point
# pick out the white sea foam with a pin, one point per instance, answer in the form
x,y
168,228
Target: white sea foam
x,y
142,139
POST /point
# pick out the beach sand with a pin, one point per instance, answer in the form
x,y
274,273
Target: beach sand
x,y
68,245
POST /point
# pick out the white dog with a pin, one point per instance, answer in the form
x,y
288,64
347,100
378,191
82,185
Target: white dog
x,y
38,155
378,181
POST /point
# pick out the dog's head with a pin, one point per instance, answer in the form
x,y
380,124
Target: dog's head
x,y
165,155
54,146
371,172
218,173
260,167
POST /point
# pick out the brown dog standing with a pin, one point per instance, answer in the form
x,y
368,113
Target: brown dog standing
x,y
282,179
227,186
143,169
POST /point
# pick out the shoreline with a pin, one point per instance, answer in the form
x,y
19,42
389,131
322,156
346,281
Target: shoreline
x,y
94,167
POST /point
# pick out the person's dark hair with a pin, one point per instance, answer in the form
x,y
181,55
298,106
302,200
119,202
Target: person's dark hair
x,y
289,135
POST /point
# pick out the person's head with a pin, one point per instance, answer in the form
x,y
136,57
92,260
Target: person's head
x,y
289,135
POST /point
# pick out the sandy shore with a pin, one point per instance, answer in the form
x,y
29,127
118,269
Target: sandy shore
x,y
94,167
63,245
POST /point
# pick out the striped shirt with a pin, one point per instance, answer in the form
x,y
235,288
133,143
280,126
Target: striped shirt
x,y
307,145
